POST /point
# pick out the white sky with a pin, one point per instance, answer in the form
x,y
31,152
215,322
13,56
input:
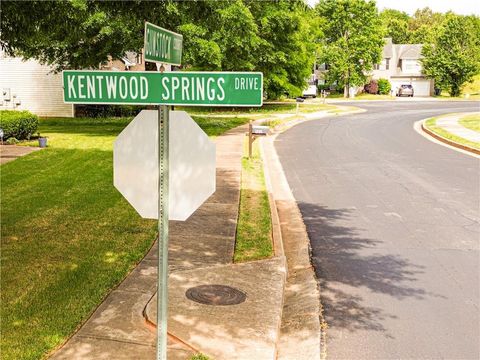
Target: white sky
x,y
463,7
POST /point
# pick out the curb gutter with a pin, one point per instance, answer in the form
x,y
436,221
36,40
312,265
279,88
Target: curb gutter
x,y
448,141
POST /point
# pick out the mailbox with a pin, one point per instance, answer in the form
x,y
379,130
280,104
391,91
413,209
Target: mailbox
x,y
260,130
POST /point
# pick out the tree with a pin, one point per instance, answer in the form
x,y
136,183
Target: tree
x,y
218,35
353,40
452,55
286,52
395,25
423,24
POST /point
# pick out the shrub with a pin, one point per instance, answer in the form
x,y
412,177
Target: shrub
x,y
372,87
18,124
12,141
91,110
384,86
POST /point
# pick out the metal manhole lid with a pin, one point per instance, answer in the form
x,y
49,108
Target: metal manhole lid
x,y
216,295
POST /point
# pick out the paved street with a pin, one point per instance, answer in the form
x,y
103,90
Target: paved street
x,y
393,220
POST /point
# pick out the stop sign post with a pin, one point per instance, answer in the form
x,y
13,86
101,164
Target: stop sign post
x,y
191,159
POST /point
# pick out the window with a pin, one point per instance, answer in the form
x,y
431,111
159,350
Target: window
x,y
411,66
376,66
387,63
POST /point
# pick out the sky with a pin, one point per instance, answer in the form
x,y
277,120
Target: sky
x,y
463,7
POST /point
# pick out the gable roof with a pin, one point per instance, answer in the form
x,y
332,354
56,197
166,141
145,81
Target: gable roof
x,y
401,51
411,51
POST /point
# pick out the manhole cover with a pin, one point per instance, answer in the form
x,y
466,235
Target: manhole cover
x,y
216,295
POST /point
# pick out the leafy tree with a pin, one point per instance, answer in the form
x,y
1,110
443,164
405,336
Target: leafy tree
x,y
272,37
423,24
286,52
452,55
78,33
353,40
395,25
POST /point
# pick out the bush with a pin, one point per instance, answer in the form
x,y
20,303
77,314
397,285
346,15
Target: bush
x,y
94,111
18,124
384,87
12,141
372,87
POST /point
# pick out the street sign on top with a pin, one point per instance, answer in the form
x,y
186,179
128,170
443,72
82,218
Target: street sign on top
x,y
162,45
172,88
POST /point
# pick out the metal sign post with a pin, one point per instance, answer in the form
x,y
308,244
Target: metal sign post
x,y
162,289
172,88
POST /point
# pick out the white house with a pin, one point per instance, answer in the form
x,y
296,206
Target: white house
x,y
28,85
401,65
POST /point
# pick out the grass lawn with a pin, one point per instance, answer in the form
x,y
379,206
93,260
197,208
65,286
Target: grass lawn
x,y
253,240
362,96
431,125
288,107
68,237
471,122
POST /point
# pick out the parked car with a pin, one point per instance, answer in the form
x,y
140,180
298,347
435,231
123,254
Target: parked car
x,y
405,89
311,91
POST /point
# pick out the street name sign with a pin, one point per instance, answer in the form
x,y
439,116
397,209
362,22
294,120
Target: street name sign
x,y
162,45
172,88
191,165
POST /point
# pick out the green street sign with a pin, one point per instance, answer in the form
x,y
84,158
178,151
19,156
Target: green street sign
x,y
168,88
162,45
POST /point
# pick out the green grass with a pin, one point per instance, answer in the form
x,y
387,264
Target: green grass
x,y
200,357
68,237
431,125
289,107
217,126
472,87
471,122
253,240
363,96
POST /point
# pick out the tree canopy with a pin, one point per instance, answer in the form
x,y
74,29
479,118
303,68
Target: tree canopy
x,y
452,53
352,42
271,37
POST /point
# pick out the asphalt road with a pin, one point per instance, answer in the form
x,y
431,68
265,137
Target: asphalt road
x,y
394,224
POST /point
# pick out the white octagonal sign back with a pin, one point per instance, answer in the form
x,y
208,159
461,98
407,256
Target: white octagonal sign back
x,y
192,165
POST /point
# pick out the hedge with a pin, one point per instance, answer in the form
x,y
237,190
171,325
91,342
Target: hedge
x,y
18,124
384,86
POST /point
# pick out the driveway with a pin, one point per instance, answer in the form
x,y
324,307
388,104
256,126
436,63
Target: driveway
x,y
393,220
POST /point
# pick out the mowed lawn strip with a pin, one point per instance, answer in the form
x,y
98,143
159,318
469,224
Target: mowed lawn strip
x,y
254,229
431,125
67,236
287,107
471,122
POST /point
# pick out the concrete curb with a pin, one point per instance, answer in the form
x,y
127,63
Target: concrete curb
x,y
300,272
447,141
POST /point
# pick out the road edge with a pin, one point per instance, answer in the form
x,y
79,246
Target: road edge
x,y
419,127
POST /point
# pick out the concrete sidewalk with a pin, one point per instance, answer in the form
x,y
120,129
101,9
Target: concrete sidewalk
x,y
451,124
11,152
200,253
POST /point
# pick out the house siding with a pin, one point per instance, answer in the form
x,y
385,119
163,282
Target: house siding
x,y
39,90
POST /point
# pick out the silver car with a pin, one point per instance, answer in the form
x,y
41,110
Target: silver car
x,y
405,90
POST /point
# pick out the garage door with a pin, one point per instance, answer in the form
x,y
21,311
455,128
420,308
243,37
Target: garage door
x,y
421,87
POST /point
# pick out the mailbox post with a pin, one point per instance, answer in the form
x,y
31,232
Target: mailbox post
x,y
253,132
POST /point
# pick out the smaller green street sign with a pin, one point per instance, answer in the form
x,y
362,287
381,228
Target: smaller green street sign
x,y
162,45
168,88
